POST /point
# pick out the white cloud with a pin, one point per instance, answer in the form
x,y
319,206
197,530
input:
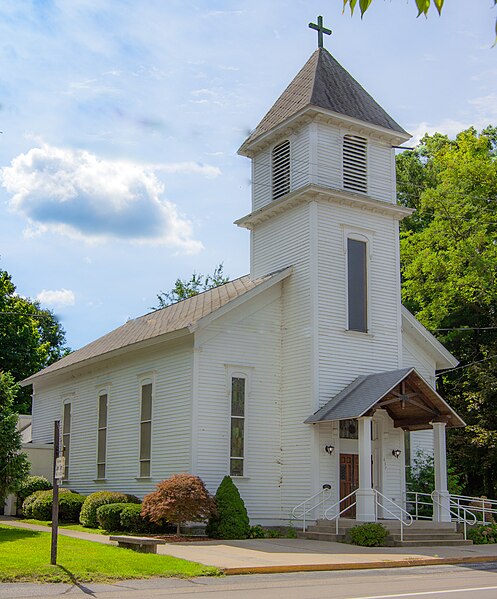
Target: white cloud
x,y
56,298
75,193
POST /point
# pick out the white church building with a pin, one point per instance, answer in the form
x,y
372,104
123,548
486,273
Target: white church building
x,y
307,372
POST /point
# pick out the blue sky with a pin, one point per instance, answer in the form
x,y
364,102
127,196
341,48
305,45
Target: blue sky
x,y
121,122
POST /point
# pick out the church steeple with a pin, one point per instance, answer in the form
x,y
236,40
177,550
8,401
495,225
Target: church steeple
x,y
323,85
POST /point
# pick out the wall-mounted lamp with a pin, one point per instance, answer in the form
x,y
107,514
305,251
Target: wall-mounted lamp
x,y
396,453
329,449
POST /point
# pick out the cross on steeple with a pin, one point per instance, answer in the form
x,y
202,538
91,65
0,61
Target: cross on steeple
x,y
320,29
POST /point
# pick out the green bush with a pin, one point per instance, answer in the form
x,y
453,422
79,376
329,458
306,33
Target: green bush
x,y
369,534
230,521
39,505
483,534
132,521
109,515
257,532
88,515
30,485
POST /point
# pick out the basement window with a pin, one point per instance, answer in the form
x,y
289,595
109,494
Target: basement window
x,y
280,157
355,163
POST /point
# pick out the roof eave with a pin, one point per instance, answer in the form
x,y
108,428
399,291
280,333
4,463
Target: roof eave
x,y
105,356
444,359
250,146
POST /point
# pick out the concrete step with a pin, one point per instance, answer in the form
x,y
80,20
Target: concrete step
x,y
427,536
320,536
431,543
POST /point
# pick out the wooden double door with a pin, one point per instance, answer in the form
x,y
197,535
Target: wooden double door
x,y
349,481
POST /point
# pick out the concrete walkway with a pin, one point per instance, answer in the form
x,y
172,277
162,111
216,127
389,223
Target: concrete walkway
x,y
298,555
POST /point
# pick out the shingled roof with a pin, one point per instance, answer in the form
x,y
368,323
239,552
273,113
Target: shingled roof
x,y
324,83
167,320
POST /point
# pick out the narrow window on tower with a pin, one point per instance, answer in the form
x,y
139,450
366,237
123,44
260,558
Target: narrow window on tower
x,y
102,435
280,158
357,285
237,433
355,163
145,430
66,437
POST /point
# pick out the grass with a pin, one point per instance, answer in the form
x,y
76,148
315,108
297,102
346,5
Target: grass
x,y
25,556
78,527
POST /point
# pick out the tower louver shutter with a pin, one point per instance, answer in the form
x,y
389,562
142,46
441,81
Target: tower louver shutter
x,y
281,169
355,163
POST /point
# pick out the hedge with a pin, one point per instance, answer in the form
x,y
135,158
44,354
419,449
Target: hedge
x,y
88,515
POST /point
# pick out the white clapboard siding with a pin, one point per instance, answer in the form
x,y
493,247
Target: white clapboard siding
x,y
414,355
300,172
261,179
381,170
170,368
345,355
329,156
282,241
246,341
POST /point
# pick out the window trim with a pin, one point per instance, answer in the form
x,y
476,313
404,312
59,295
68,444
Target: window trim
x,y
288,186
241,373
366,237
345,171
101,392
143,381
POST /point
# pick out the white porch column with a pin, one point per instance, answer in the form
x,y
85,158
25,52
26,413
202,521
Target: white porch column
x,y
441,513
365,508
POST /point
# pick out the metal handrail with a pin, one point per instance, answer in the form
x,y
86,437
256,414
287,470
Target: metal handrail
x,y
325,492
417,503
480,505
457,515
336,517
410,519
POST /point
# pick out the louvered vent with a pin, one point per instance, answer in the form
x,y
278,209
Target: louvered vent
x,y
281,169
355,176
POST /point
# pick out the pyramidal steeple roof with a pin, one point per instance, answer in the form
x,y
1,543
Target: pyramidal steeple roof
x,y
324,83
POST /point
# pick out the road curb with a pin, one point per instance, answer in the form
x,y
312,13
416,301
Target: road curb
x,y
406,563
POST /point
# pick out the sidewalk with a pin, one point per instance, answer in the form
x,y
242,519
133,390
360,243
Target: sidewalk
x,y
299,555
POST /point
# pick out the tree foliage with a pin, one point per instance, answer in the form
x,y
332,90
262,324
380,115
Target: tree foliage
x,y
14,465
449,269
183,289
230,520
179,499
423,7
30,337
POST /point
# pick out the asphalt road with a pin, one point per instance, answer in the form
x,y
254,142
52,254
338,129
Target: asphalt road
x,y
475,581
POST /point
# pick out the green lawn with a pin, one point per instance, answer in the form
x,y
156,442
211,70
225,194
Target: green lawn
x,y
25,556
79,527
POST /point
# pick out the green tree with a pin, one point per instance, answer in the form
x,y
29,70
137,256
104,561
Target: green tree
x,y
183,289
14,465
449,269
230,519
423,6
30,337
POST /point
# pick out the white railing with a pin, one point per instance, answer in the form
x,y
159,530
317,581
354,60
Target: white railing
x,y
487,508
403,516
329,516
462,514
416,501
310,505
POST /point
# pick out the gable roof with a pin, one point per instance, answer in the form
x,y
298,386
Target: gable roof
x,y
366,391
176,317
324,83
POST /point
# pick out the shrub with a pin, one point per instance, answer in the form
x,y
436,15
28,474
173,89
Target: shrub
x,y
483,534
230,521
109,515
133,521
369,534
39,505
32,484
257,532
181,498
88,515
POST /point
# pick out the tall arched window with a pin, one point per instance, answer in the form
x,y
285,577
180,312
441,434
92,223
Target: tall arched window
x,y
280,161
354,155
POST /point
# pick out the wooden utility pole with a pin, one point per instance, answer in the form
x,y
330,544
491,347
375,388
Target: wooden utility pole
x,y
57,475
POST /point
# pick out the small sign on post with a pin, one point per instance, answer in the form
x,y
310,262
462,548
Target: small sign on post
x,y
60,466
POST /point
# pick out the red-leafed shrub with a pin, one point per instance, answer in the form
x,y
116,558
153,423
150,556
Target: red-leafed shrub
x,y
181,498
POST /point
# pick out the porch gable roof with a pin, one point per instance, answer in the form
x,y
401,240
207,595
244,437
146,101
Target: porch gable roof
x,y
409,400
